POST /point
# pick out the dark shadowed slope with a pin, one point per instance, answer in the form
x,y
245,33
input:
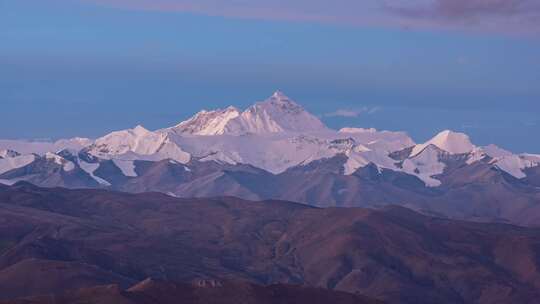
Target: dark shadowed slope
x,y
47,276
391,254
477,191
200,292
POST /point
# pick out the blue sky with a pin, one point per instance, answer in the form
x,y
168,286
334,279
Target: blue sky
x,y
85,67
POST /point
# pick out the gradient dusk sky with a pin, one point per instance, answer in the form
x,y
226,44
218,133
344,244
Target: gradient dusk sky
x,y
87,67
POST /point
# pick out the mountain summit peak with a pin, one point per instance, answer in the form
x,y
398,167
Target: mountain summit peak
x,y
449,141
279,95
276,114
281,100
139,129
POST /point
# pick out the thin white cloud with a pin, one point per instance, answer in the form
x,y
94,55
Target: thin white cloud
x,y
352,113
343,113
373,110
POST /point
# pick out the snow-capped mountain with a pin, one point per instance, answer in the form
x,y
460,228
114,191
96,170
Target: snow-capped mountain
x,y
137,144
275,135
275,149
451,142
276,114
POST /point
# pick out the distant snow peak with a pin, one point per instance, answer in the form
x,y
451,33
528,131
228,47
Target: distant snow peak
x,y
138,140
140,130
279,95
282,100
449,141
208,122
138,143
276,114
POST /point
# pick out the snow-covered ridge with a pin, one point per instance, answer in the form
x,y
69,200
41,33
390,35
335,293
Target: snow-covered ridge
x,y
59,160
41,147
207,122
274,135
426,165
138,144
15,161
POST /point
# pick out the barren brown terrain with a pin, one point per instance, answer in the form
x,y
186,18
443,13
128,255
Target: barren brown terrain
x,y
58,240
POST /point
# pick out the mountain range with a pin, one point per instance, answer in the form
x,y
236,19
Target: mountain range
x,y
275,149
97,246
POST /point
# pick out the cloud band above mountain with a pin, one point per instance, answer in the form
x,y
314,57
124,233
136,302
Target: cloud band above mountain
x,y
502,16
350,113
